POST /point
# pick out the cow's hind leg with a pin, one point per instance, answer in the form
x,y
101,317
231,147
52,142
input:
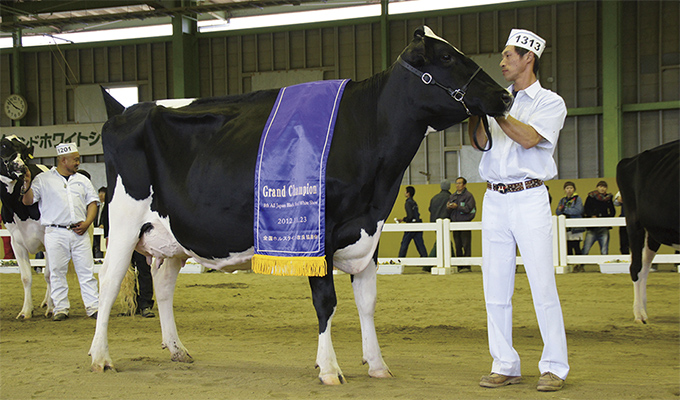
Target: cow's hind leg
x,y
325,303
111,275
164,279
365,292
21,254
640,286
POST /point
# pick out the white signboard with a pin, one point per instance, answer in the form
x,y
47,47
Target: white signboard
x,y
44,138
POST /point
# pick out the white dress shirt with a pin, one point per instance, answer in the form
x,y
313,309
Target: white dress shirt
x,y
64,201
508,161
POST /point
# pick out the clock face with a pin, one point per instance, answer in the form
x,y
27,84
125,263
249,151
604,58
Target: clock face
x,y
15,106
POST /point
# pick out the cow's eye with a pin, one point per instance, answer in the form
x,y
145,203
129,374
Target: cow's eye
x,y
446,58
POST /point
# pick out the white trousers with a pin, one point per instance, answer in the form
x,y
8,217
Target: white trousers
x,y
62,245
521,220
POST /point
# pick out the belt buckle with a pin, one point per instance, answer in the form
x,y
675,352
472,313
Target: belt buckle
x,y
501,188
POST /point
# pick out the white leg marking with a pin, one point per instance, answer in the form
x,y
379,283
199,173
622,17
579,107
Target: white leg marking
x,y
164,280
640,287
329,370
126,215
365,293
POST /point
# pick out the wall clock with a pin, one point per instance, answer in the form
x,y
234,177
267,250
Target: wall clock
x,y
15,106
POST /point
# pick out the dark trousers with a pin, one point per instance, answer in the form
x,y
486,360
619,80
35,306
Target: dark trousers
x,y
145,293
417,238
574,247
463,241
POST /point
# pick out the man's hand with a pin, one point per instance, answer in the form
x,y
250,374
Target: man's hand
x,y
80,227
452,205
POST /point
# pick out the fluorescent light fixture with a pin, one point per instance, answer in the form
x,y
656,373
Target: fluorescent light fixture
x,y
404,7
91,36
292,18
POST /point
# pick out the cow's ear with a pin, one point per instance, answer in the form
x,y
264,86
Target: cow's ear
x,y
414,54
29,152
419,33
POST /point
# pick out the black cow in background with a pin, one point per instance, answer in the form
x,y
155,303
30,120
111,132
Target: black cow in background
x,y
650,189
181,184
22,222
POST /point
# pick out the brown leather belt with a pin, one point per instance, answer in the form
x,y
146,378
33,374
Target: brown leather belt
x,y
514,187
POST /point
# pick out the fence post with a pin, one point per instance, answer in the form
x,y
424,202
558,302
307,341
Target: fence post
x,y
563,266
446,229
440,243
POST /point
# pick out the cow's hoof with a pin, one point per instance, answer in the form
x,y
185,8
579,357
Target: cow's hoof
x,y
25,315
640,321
383,373
182,357
331,379
103,368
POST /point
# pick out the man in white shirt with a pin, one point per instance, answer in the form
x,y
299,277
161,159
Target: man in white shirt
x,y
516,213
68,206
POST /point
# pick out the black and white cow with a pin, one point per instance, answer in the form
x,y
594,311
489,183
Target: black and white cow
x,y
23,222
650,189
181,184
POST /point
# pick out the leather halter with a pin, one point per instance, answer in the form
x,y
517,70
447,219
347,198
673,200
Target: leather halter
x,y
457,94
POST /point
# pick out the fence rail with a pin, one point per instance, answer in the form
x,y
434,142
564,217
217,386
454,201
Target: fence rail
x,y
443,261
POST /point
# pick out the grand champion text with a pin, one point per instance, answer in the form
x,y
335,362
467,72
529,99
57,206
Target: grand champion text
x,y
290,191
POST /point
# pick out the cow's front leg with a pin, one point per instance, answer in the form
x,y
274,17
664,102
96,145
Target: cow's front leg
x,y
365,293
164,280
25,270
325,303
111,275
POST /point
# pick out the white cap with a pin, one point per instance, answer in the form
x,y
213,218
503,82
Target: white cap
x,y
526,40
66,148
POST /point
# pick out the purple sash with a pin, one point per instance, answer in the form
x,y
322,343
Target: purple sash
x,y
290,180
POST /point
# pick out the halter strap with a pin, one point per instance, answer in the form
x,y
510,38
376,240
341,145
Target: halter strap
x,y
457,94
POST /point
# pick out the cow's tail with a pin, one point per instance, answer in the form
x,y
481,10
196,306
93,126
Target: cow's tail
x,y
128,292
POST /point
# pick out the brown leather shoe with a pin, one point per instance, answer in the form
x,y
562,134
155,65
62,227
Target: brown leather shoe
x,y
494,380
549,382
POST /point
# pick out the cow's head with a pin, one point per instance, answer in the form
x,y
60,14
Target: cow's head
x,y
14,155
451,86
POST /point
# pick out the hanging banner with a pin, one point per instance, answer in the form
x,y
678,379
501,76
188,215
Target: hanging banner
x,y
44,138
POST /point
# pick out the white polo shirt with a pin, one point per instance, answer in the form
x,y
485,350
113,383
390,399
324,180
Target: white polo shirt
x,y
64,202
508,161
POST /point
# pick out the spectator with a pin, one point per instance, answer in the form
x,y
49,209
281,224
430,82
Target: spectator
x,y
412,215
462,207
599,204
571,206
438,209
99,223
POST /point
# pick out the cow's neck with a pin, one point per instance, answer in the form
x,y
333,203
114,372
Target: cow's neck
x,y
397,126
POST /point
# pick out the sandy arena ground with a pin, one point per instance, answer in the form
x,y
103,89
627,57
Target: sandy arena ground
x,y
255,337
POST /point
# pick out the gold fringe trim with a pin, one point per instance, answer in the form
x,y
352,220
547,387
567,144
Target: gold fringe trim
x,y
289,266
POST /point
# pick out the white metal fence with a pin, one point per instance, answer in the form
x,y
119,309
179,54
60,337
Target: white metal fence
x,y
443,261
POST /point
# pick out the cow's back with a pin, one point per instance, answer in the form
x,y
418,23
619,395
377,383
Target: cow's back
x,y
198,161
